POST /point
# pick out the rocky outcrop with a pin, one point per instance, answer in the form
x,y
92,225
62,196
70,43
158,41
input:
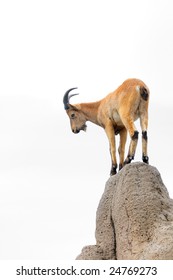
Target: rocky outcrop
x,y
134,218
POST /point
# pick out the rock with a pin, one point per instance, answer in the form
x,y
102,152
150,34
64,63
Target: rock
x,y
134,219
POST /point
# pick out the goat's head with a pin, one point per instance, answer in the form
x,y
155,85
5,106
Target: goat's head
x,y
77,118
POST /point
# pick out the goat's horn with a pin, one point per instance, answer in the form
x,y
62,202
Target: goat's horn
x,y
67,98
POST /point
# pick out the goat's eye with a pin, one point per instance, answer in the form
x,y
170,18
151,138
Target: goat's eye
x,y
72,115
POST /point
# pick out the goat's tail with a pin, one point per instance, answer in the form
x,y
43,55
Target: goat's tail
x,y
144,93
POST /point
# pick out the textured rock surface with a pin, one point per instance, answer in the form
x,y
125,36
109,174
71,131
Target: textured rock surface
x,y
134,218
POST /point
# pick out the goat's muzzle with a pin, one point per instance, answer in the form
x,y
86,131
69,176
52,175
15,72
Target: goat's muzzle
x,y
83,127
75,131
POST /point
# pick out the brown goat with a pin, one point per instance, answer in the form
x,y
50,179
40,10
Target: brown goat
x,y
116,113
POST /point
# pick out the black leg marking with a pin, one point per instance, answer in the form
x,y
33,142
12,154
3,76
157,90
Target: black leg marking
x,y
113,169
145,159
120,166
135,135
144,135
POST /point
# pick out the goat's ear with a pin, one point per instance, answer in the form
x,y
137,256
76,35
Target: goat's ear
x,y
72,107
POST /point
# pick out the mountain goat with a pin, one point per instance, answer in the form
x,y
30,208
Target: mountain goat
x,y
116,113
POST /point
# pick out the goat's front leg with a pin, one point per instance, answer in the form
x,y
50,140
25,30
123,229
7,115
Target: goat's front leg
x,y
109,129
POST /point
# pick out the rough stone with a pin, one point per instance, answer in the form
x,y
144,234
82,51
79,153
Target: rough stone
x,y
134,219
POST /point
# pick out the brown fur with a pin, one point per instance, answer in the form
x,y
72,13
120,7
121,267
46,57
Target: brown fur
x,y
116,113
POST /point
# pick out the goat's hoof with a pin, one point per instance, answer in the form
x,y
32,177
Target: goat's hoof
x,y
113,170
128,159
145,159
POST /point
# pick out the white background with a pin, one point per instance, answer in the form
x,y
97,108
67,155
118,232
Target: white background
x,y
51,180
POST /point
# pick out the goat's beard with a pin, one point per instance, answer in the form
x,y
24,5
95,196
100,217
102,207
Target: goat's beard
x,y
84,127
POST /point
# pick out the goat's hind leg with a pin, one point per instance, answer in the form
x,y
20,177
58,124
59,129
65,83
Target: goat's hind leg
x,y
129,124
145,157
121,149
144,126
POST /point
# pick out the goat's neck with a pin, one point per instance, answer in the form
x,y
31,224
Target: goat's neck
x,y
90,111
